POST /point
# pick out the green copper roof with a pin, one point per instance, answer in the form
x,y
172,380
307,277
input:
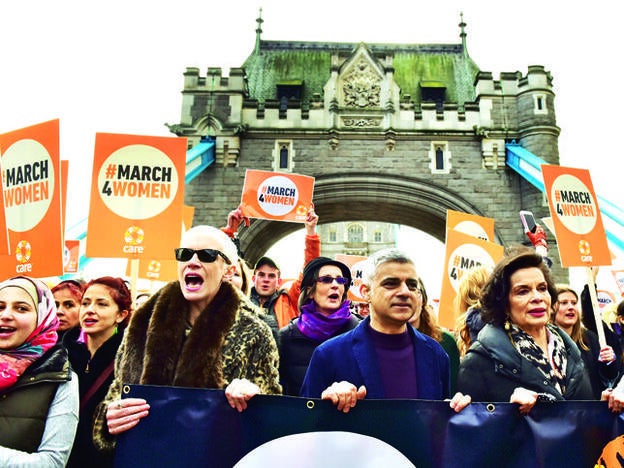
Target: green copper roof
x,y
433,65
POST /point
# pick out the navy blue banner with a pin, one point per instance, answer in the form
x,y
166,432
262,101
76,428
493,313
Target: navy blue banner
x,y
196,427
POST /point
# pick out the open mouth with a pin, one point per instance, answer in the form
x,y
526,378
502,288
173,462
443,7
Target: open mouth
x,y
89,321
6,330
334,297
193,282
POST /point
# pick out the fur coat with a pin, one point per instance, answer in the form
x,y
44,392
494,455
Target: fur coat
x,y
228,340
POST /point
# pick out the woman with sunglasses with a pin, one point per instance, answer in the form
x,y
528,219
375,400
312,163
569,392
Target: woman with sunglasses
x,y
38,390
324,312
198,332
104,313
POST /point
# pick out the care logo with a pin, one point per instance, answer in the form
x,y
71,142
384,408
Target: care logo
x,y
153,269
278,195
28,184
138,182
23,252
574,204
134,235
464,258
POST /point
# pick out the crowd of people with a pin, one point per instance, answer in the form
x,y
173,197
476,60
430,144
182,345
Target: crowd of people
x,y
66,350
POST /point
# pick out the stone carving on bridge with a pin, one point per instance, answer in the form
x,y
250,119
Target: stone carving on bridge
x,y
362,86
361,122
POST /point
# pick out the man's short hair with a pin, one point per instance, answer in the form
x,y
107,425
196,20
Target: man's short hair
x,y
266,261
380,257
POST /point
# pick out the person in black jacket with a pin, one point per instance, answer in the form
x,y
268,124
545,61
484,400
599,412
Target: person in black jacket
x,y
104,312
518,356
602,364
324,313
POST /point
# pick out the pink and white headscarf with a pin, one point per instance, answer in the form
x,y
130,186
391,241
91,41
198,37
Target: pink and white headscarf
x,y
13,362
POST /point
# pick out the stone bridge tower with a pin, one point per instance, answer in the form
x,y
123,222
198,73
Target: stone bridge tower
x,y
392,132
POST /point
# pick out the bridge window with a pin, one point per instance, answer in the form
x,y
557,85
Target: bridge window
x,y
439,157
539,104
377,236
355,233
333,236
433,91
283,154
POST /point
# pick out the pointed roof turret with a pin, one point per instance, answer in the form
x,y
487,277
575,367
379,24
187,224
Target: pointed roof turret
x,y
462,34
259,20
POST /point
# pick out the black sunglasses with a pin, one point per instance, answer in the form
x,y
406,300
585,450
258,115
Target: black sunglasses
x,y
330,279
204,255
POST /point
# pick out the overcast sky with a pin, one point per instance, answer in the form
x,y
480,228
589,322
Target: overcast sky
x,y
117,65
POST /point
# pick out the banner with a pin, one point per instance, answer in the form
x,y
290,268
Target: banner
x,y
463,252
137,193
31,173
4,230
356,264
573,205
197,428
71,256
164,269
277,196
471,224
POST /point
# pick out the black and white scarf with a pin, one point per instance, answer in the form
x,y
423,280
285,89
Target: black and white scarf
x,y
553,369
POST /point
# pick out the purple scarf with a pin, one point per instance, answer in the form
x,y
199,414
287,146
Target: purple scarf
x,y
320,327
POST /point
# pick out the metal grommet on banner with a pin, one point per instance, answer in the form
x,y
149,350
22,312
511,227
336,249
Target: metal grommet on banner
x,y
126,389
310,404
491,407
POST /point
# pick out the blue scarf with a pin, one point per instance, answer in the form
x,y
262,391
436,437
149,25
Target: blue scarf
x,y
320,327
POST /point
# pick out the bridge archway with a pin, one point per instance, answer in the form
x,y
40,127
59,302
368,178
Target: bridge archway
x,y
409,201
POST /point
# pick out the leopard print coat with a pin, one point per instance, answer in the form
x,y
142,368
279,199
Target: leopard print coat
x,y
228,340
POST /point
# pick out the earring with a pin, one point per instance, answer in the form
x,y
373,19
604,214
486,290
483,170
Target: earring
x,y
507,324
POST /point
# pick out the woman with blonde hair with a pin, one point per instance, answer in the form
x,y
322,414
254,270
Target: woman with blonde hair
x,y
467,303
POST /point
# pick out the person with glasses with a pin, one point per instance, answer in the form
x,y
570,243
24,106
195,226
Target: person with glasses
x,y
199,331
383,357
324,312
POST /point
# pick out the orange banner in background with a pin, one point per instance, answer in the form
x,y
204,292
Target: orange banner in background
x,y
573,204
137,193
356,264
471,224
277,196
463,252
31,172
4,230
71,256
165,269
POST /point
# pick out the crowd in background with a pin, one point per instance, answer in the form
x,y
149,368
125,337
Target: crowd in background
x,y
66,348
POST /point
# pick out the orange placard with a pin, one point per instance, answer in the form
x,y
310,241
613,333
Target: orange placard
x,y
165,269
31,170
4,230
64,177
137,193
618,276
356,264
278,196
576,217
71,256
471,224
463,252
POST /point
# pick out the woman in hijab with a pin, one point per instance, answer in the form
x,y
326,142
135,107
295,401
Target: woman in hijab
x,y
324,312
38,390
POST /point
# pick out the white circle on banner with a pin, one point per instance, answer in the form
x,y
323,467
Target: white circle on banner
x,y
28,176
574,205
464,258
278,195
138,182
472,229
357,273
339,449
